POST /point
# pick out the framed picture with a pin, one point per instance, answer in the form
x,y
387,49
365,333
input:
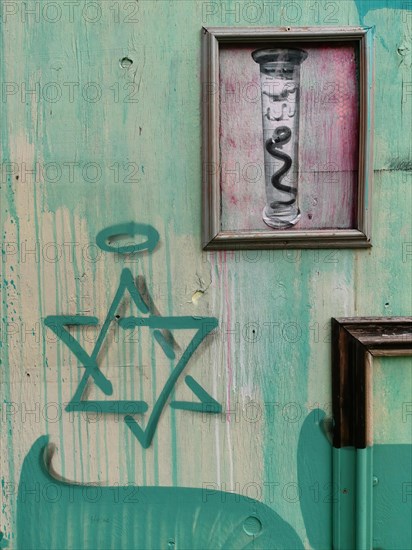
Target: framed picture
x,y
287,137
356,343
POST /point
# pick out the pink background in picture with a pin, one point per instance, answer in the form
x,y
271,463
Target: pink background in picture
x,y
328,139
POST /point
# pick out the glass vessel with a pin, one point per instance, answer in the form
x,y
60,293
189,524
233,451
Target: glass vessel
x,y
280,90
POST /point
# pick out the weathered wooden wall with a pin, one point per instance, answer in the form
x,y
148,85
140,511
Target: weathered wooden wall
x,y
87,143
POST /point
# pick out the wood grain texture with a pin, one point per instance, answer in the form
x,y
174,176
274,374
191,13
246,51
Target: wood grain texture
x,y
149,115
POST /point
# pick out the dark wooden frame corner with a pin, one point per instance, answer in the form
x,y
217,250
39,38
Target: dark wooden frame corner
x,y
355,341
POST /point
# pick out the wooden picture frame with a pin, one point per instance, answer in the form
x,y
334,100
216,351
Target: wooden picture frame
x,y
218,231
355,341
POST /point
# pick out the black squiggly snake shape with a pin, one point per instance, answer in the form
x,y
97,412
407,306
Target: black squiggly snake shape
x,y
280,137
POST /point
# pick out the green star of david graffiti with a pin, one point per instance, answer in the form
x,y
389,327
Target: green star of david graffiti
x,y
157,324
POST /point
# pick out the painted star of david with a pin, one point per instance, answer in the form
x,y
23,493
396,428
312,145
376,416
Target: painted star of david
x,y
158,325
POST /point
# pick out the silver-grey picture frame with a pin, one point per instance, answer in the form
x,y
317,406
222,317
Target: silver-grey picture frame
x,y
216,238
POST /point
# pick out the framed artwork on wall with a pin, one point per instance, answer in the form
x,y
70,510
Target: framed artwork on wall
x,y
287,137
371,476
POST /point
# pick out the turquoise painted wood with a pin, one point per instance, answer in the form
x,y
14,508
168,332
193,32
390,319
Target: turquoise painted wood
x,y
100,127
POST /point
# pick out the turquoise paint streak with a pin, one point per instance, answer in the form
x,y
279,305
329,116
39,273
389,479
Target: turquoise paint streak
x,y
391,28
72,367
7,207
95,292
85,425
128,382
154,391
364,6
173,435
124,442
142,396
59,356
286,362
67,375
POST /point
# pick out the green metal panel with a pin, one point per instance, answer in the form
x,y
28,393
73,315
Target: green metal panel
x,y
392,453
